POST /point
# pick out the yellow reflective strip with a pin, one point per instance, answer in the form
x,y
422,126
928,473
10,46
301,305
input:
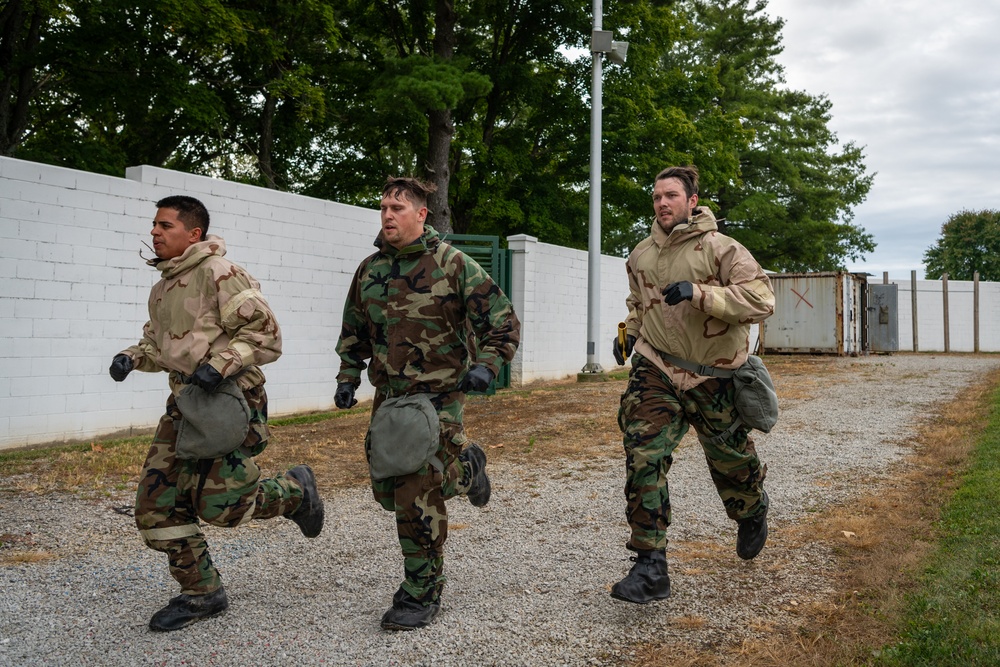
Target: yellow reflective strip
x,y
234,304
244,350
170,532
719,300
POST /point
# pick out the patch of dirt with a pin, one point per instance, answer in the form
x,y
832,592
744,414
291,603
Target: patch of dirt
x,y
537,424
533,425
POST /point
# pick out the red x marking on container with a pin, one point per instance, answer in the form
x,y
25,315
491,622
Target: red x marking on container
x,y
802,298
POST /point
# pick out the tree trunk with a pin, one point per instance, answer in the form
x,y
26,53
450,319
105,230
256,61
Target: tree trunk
x,y
441,129
267,140
14,103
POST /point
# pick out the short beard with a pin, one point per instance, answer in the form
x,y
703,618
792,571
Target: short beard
x,y
673,223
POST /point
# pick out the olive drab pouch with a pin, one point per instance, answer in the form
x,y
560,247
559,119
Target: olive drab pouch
x,y
404,435
213,424
756,400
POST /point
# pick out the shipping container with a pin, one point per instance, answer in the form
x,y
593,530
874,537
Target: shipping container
x,y
817,313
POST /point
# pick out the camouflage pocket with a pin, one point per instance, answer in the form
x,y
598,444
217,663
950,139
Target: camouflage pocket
x,y
257,437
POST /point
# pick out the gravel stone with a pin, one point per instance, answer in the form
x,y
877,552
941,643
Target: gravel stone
x,y
529,575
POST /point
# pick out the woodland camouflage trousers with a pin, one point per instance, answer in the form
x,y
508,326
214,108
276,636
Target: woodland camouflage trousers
x,y
174,493
419,499
653,417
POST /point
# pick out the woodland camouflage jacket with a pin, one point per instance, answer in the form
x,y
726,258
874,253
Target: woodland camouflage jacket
x,y
205,309
731,292
410,312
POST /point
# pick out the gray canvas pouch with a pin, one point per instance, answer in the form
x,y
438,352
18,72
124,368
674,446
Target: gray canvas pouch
x,y
404,436
756,400
213,424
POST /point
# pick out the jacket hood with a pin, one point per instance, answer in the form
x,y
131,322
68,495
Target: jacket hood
x,y
429,240
213,246
702,220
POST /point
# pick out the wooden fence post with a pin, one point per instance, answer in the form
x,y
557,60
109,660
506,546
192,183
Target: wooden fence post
x,y
944,294
975,312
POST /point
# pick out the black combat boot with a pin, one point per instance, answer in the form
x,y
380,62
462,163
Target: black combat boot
x,y
186,609
646,581
309,514
408,613
752,534
480,489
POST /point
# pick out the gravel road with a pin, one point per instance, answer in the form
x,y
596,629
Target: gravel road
x,y
529,574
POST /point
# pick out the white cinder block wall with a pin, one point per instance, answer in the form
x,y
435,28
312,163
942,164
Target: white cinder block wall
x,y
73,292
550,296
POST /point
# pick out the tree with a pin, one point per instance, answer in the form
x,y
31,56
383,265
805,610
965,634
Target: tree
x,y
969,242
266,63
215,87
394,85
520,156
661,110
793,198
124,90
489,99
21,23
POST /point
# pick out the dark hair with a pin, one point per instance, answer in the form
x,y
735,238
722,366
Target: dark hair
x,y
687,175
190,211
413,189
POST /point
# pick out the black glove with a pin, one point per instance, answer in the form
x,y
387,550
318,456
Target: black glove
x,y
620,354
478,378
674,293
207,378
343,398
121,366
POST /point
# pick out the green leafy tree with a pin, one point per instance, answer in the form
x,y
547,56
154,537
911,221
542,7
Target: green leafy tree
x,y
484,97
969,242
215,87
520,155
660,110
265,61
394,84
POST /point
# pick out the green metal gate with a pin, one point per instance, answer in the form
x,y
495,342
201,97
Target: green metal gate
x,y
496,261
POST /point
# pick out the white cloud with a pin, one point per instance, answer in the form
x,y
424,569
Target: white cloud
x,y
917,84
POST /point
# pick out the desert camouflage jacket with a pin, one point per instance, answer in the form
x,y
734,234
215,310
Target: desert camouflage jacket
x,y
205,309
731,292
422,316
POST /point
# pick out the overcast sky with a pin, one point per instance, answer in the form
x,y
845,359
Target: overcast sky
x,y
917,84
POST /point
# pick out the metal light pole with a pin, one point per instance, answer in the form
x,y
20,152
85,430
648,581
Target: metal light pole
x,y
600,43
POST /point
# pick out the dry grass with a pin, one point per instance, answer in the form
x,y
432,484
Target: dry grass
x,y
801,378
24,557
20,549
879,542
91,469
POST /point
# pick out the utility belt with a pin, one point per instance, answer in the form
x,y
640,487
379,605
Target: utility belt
x,y
754,397
697,369
186,379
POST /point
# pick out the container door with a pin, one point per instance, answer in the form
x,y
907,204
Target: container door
x,y
805,316
883,318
